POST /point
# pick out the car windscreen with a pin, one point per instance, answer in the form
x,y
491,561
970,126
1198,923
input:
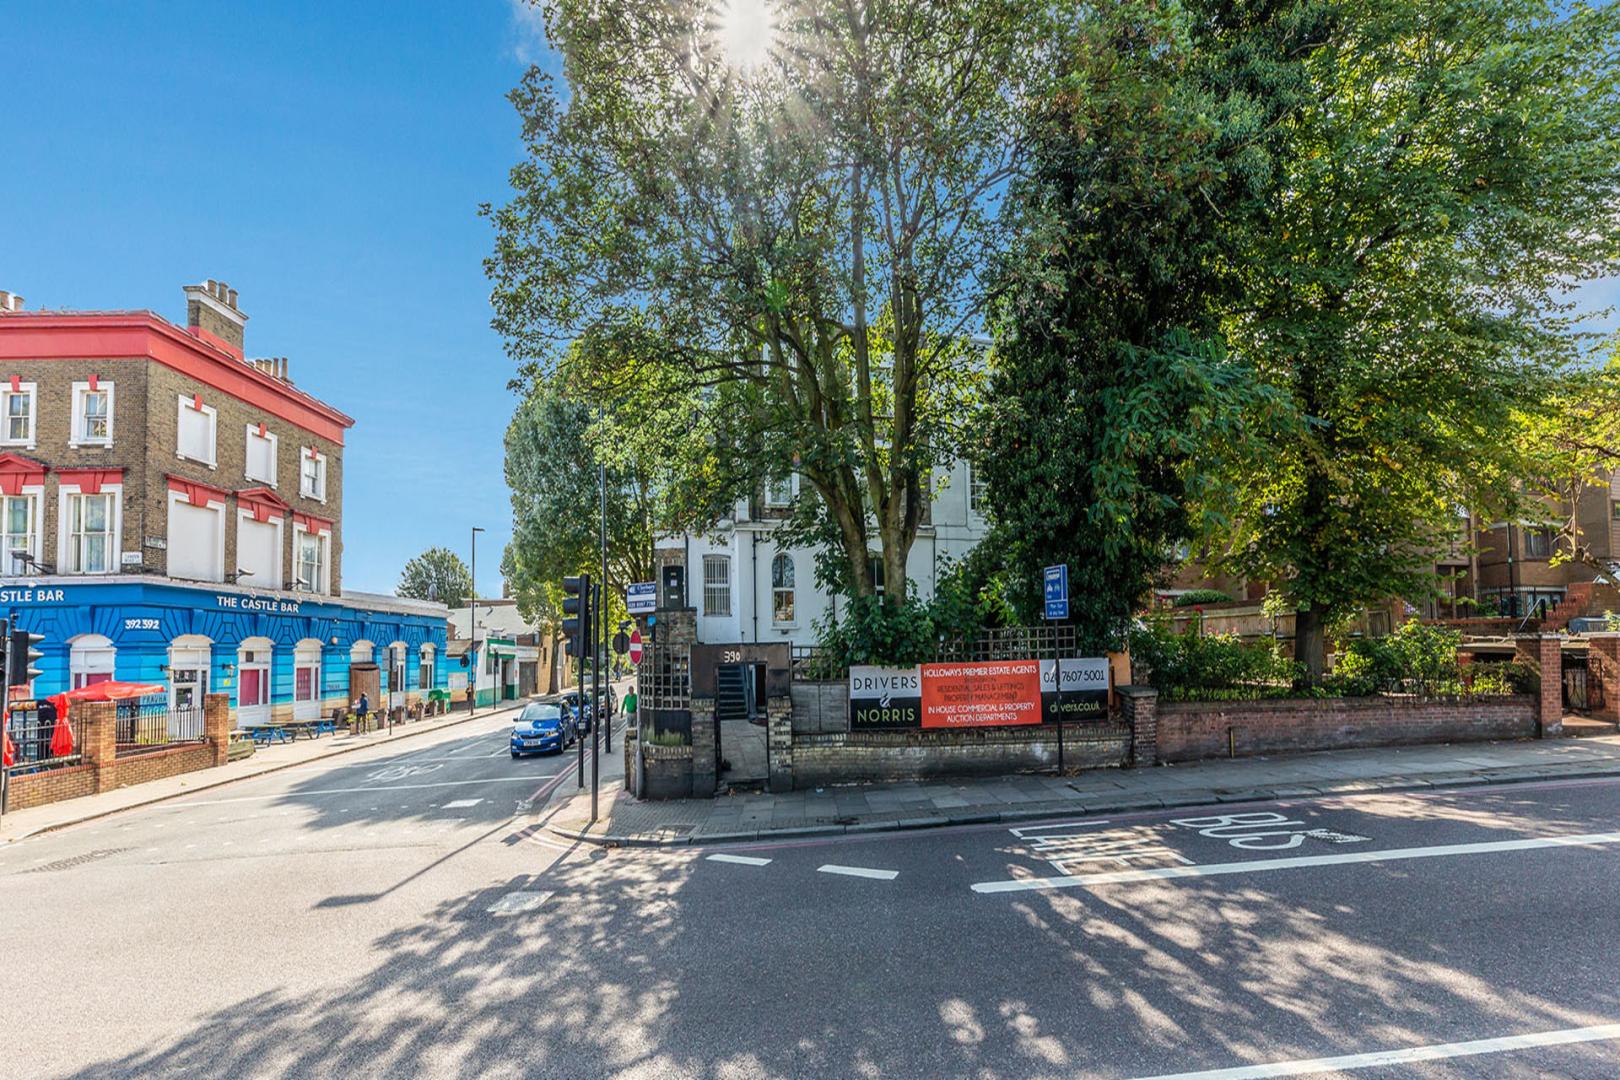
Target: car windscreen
x,y
538,712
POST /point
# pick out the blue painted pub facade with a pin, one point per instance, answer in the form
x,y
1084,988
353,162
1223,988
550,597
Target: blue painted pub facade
x,y
281,656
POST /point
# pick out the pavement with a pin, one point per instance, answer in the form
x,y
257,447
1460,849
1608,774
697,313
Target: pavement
x,y
628,822
18,824
403,910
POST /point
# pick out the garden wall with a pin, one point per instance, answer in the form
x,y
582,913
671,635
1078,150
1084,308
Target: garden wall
x,y
851,757
1192,731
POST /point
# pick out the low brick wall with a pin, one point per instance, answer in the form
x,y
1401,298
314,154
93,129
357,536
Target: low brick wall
x,y
53,785
1192,731
152,765
851,757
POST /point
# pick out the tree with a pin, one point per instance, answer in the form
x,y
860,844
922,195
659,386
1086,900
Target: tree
x,y
1452,169
1570,450
1113,397
802,237
436,574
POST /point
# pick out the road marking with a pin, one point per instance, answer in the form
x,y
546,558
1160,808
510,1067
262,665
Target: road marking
x,y
742,860
354,790
1069,881
1377,1058
516,903
859,871
461,803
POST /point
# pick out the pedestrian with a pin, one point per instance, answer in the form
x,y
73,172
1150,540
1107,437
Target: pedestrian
x,y
630,708
361,708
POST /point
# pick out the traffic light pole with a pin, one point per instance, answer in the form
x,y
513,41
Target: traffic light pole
x,y
601,484
577,629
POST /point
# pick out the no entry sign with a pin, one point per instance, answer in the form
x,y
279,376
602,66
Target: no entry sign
x,y
635,646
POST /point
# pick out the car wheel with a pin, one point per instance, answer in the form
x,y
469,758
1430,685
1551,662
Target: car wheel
x,y
516,755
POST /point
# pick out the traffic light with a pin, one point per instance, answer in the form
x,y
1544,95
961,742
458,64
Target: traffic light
x,y
20,658
577,607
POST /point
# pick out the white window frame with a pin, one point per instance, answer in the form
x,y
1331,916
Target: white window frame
x,y
714,589
213,432
64,519
427,658
278,578
213,506
31,392
324,538
86,659
791,589
304,454
36,494
977,489
247,457
773,487
80,391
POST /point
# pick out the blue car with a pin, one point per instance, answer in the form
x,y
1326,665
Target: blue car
x,y
540,728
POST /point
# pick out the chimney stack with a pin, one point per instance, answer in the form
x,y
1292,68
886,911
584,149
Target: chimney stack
x,y
273,366
10,302
211,313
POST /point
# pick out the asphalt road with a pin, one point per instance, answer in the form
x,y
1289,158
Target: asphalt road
x,y
401,914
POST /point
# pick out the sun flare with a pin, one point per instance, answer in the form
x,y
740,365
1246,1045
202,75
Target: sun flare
x,y
747,31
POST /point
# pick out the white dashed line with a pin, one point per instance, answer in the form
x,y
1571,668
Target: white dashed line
x,y
462,803
740,860
859,871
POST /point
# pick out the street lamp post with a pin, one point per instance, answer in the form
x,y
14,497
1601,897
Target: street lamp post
x,y
472,629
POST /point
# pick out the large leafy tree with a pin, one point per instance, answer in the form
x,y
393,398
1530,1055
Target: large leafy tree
x,y
1113,396
436,574
803,234
1453,167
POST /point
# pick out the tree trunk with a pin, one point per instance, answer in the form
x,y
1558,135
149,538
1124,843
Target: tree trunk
x,y
1310,645
551,662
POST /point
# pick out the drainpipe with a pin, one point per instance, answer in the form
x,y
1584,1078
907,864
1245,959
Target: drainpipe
x,y
753,580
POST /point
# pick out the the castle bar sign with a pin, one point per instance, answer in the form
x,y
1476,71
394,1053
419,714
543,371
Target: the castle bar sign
x,y
30,596
257,603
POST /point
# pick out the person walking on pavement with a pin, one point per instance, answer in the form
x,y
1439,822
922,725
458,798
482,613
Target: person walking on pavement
x,y
630,708
361,708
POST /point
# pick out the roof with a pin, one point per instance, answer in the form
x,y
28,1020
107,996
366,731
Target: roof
x,y
458,647
496,618
122,335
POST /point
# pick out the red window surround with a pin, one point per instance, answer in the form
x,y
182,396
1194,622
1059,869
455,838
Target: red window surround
x,y
89,481
198,494
312,524
262,502
18,472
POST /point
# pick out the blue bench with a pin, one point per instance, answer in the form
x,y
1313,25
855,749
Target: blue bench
x,y
264,734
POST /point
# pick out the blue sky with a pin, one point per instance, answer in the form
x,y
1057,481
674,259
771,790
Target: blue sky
x,y
327,160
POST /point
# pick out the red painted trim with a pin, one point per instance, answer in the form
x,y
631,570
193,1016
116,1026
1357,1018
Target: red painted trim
x,y
16,383
215,340
18,472
312,524
95,383
264,429
141,334
89,481
196,402
260,498
196,492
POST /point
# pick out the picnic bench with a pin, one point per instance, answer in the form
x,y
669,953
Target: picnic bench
x,y
265,734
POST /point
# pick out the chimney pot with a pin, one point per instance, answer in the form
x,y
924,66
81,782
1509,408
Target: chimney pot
x,y
230,297
10,301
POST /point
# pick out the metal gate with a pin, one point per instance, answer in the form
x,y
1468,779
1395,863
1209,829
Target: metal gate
x,y
1583,685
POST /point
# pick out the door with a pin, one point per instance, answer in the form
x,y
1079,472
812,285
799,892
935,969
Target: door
x,y
253,695
365,679
396,676
306,692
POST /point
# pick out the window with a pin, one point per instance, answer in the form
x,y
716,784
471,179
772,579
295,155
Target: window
x,y
1614,509
1537,543
312,474
20,538
261,455
309,562
91,533
258,552
17,414
92,414
782,589
91,658
424,671
195,439
779,493
976,490
717,584
196,538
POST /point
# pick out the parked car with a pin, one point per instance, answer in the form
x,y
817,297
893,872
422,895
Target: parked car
x,y
539,728
570,704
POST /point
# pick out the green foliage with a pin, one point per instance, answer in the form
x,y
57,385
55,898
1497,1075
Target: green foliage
x,y
1197,666
1114,399
436,574
1419,658
1453,167
804,246
1201,596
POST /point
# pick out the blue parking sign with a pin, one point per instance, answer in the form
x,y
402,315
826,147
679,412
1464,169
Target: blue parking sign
x,y
1057,591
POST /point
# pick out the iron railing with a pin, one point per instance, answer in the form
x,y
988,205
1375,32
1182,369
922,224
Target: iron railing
x,y
32,732
1056,642
150,724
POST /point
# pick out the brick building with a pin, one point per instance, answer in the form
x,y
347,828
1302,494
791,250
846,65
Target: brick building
x,y
171,511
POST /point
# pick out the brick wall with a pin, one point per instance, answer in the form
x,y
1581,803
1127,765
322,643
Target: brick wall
x,y
1190,731
152,765
37,789
918,755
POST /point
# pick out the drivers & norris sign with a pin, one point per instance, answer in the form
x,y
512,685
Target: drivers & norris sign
x,y
991,693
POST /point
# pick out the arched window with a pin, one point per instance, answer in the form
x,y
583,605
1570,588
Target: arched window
x,y
90,660
782,610
189,658
425,671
